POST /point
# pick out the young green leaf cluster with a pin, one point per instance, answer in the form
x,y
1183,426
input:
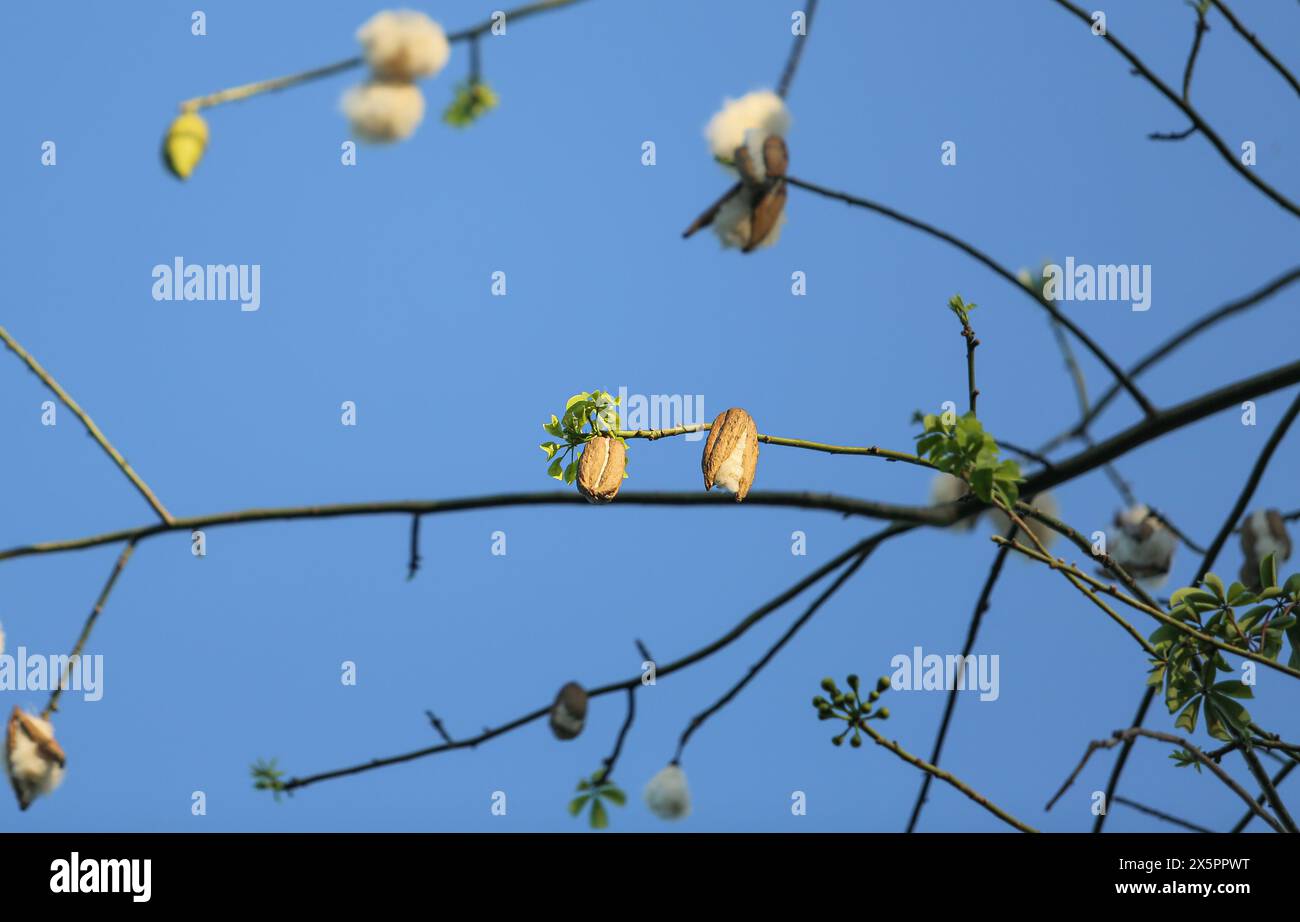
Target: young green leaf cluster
x,y
585,416
961,447
595,791
1250,620
849,706
473,99
266,777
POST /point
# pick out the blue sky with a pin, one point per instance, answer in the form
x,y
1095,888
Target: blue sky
x,y
375,289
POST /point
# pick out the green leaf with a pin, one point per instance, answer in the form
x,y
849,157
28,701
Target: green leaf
x,y
614,795
599,817
1268,571
1234,713
1234,689
555,470
1187,719
1216,586
576,805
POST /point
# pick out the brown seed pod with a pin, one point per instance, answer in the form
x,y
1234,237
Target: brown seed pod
x,y
776,156
600,469
1262,533
569,712
29,777
766,214
731,453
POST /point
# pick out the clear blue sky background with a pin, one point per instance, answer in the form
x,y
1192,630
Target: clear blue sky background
x,y
375,288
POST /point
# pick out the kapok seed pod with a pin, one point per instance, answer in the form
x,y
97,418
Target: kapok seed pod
x,y
186,140
731,453
600,469
1262,533
569,712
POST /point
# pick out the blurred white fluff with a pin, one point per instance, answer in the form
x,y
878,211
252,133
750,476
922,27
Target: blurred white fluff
x,y
732,467
403,45
1265,541
667,796
1143,546
31,770
384,112
944,489
747,120
1044,503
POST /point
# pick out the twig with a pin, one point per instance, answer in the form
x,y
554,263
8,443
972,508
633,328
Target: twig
x,y
1255,43
1161,815
945,776
1132,733
977,616
1209,133
688,660
1188,333
86,421
247,90
869,450
437,725
53,704
796,51
988,261
1201,29
612,759
1078,575
1259,801
413,565
1248,490
698,720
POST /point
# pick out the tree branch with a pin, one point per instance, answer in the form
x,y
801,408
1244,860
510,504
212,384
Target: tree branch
x,y
86,421
1210,135
796,52
1255,43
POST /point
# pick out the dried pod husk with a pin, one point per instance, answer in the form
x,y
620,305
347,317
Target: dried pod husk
x,y
569,712
34,761
187,138
1262,533
600,468
731,453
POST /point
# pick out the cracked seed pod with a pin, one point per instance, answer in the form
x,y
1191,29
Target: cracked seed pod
x,y
731,453
600,469
1143,545
187,138
1262,533
33,761
569,712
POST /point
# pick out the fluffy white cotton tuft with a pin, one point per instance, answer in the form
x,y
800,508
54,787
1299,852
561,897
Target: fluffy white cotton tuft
x,y
1143,546
747,120
667,796
733,220
944,489
32,772
733,467
1265,541
384,112
403,45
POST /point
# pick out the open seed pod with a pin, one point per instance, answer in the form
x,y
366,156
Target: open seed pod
x,y
1142,545
33,760
569,712
186,140
1262,533
600,469
731,453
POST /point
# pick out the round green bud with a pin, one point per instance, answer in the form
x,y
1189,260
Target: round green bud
x,y
853,682
838,740
855,742
882,683
883,713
